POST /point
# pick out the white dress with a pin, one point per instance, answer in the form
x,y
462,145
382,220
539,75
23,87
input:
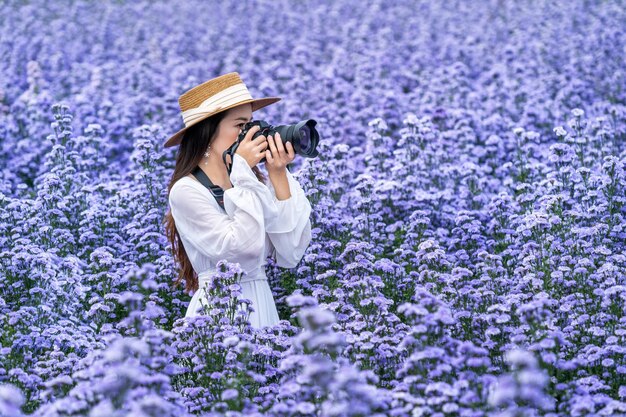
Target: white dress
x,y
252,223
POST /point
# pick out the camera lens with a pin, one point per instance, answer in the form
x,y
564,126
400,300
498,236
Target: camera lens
x,y
305,138
302,135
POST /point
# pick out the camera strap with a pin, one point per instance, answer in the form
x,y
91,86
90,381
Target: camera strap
x,y
230,151
216,190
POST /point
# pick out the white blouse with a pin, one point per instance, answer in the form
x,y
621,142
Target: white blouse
x,y
252,223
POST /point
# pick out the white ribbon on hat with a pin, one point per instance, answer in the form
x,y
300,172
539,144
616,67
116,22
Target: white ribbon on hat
x,y
227,97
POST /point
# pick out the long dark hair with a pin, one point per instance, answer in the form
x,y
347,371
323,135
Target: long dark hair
x,y
190,151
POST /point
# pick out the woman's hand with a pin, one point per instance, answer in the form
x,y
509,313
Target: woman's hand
x,y
252,149
279,157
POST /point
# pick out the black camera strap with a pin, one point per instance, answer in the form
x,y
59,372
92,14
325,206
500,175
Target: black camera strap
x,y
216,190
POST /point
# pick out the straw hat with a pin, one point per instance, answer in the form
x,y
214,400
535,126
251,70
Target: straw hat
x,y
214,96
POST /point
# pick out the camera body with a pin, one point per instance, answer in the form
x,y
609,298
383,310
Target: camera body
x,y
302,135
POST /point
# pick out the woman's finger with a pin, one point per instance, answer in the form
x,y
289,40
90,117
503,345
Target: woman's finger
x,y
251,132
279,143
259,138
280,150
258,146
272,145
269,157
290,151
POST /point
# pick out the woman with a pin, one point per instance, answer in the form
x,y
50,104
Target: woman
x,y
257,217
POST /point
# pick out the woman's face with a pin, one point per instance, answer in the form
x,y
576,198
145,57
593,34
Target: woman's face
x,y
229,128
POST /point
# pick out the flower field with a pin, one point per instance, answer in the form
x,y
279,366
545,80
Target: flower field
x,y
468,252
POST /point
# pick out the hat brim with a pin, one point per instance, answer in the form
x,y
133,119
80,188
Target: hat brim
x,y
257,103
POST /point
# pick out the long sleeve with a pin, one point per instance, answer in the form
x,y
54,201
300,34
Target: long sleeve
x,y
234,237
290,231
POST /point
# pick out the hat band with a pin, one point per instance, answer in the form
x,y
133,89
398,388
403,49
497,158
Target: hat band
x,y
225,98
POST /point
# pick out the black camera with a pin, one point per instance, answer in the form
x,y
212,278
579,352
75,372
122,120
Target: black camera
x,y
302,135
